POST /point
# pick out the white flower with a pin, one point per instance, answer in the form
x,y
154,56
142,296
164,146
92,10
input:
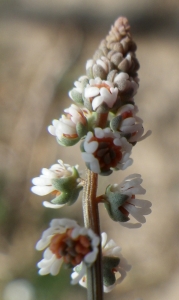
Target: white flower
x,y
100,91
66,125
43,184
105,150
66,242
109,249
137,208
131,125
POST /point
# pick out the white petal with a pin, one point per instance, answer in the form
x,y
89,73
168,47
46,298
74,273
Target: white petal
x,y
97,102
51,205
55,267
48,254
41,181
89,63
52,130
103,239
135,212
43,243
148,133
83,282
42,190
48,173
87,157
99,133
130,225
108,289
117,142
91,147
95,241
91,257
80,275
141,203
91,91
94,166
44,271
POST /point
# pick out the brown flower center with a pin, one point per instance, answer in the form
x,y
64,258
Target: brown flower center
x,y
107,153
72,250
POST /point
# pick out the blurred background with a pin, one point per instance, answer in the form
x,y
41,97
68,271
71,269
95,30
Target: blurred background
x,y
44,46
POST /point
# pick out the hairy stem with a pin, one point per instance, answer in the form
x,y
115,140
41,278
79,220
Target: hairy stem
x,y
91,220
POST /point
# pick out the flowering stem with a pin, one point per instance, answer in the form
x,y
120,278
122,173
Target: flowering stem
x,y
91,220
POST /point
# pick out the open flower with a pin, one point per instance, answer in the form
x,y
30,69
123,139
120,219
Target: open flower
x,y
128,124
100,94
61,180
121,203
104,151
115,266
71,127
66,242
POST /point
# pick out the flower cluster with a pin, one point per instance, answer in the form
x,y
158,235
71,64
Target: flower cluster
x,y
103,117
104,113
66,242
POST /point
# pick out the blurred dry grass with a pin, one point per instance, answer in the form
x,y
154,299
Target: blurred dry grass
x,y
39,60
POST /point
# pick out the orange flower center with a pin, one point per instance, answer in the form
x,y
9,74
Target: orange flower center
x,y
72,250
102,85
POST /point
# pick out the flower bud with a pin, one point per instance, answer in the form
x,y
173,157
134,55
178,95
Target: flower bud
x,y
70,128
128,124
76,94
99,68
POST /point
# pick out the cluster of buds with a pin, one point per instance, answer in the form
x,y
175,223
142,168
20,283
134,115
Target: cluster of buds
x,y
104,118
